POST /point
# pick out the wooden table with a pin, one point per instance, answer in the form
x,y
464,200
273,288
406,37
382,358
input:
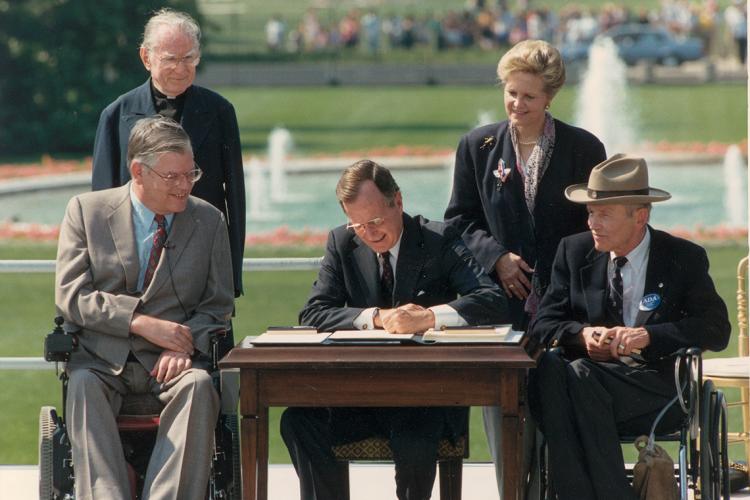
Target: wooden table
x,y
374,375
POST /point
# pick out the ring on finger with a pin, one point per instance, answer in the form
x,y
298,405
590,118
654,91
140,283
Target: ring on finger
x,y
621,347
511,286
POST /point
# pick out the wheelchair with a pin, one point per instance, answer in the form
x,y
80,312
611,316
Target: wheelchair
x,y
702,461
138,422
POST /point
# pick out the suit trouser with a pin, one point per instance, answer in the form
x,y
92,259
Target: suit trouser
x,y
413,434
180,462
492,417
584,407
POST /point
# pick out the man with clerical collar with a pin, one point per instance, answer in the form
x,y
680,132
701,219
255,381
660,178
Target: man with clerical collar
x,y
624,297
386,269
170,52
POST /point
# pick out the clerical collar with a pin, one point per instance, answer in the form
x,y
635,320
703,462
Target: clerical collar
x,y
171,107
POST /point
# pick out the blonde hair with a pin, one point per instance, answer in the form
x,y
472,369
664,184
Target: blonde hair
x,y
538,58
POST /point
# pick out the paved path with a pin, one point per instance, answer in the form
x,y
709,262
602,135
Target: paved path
x,y
368,482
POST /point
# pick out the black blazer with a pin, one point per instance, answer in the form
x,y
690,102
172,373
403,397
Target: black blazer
x,y
210,121
691,313
433,267
492,216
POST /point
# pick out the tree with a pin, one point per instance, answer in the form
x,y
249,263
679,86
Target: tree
x,y
62,62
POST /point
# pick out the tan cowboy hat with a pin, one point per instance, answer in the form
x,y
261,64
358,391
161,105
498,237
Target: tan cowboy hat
x,y
621,179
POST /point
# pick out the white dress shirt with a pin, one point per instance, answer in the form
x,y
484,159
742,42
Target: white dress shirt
x,y
445,315
633,278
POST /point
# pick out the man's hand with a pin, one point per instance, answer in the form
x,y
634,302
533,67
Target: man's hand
x,y
169,365
510,270
594,342
165,334
604,344
626,339
409,318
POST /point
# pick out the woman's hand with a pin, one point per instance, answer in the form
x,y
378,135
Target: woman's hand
x,y
511,269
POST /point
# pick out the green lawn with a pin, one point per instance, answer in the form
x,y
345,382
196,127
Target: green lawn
x,y
336,119
271,298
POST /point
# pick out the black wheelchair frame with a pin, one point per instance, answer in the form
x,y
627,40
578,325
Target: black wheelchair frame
x,y
703,460
56,468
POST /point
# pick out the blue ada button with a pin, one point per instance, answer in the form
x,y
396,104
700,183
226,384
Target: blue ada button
x,y
650,302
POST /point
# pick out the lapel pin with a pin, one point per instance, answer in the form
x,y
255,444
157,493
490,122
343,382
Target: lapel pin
x,y
489,141
649,302
502,171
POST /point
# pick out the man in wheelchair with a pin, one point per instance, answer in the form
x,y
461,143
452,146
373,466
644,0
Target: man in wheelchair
x,y
144,273
623,298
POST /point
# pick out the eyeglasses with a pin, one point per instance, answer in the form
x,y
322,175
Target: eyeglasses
x,y
191,176
370,224
171,62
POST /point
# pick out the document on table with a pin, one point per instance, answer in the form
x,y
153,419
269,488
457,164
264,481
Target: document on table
x,y
494,334
290,335
374,336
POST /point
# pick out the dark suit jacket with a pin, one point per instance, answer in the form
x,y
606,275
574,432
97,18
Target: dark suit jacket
x,y
492,216
210,121
433,267
97,275
691,313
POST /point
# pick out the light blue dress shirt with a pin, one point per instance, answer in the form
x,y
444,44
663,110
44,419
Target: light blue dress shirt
x,y
144,226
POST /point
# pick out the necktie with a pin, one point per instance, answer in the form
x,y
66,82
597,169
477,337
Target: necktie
x,y
386,280
614,304
160,236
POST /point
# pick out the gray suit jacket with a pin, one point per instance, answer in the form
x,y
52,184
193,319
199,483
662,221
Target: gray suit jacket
x,y
97,273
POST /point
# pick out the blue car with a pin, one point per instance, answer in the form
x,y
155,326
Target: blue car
x,y
641,42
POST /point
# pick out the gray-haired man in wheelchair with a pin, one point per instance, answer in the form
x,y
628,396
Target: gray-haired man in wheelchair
x,y
624,297
144,272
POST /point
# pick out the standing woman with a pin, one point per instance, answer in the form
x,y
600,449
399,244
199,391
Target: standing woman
x,y
507,199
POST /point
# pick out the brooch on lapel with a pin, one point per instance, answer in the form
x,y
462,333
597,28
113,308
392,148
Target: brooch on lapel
x,y
489,141
501,174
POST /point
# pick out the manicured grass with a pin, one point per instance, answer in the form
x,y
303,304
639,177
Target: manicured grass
x,y
336,119
271,298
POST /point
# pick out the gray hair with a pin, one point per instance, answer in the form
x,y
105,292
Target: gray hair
x,y
357,174
154,136
174,19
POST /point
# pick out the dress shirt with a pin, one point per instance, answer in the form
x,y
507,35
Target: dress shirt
x,y
633,278
445,315
144,226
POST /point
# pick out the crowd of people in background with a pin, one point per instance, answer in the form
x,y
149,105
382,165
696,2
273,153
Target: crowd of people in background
x,y
489,24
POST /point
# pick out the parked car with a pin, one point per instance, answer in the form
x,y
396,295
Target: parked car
x,y
641,42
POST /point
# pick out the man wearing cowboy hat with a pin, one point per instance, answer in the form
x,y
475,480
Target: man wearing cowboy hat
x,y
623,298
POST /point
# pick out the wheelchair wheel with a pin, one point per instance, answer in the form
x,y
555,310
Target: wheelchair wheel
x,y
47,425
714,461
235,492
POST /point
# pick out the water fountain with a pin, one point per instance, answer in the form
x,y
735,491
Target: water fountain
x,y
279,145
602,105
735,199
257,193
485,117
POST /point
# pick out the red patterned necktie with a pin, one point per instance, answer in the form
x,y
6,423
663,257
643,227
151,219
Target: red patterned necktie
x,y
160,236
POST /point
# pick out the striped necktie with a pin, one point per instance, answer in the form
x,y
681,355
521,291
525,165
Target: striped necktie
x,y
160,237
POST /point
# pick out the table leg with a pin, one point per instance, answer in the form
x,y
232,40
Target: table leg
x,y
249,457
262,457
250,434
512,435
